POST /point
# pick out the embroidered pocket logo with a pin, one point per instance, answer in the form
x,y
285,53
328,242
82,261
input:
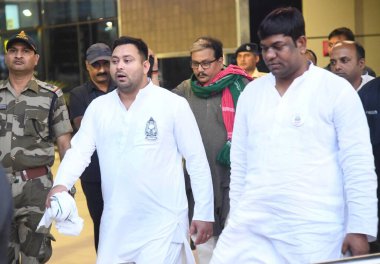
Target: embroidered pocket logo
x,y
151,129
297,120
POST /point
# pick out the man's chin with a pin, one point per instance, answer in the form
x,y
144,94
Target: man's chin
x,y
203,79
343,75
275,72
103,79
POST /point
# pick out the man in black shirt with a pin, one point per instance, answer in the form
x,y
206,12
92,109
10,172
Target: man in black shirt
x,y
98,58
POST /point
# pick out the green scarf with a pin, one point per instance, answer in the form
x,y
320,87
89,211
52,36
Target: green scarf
x,y
235,83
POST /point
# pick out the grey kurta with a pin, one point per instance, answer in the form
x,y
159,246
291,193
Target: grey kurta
x,y
208,113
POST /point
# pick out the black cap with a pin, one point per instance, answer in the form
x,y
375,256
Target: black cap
x,y
97,52
248,47
22,37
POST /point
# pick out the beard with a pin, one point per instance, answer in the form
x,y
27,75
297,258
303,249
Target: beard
x,y
125,86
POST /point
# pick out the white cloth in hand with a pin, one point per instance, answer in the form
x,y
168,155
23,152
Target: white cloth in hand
x,y
64,212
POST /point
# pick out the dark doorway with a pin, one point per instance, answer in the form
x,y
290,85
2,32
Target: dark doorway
x,y
259,9
177,68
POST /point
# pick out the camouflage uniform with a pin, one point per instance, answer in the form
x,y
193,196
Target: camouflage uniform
x,y
26,142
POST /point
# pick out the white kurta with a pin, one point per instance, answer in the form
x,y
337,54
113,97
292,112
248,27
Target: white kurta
x,y
140,153
302,170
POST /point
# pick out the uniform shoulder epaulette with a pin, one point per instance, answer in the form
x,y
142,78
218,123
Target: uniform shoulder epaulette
x,y
50,87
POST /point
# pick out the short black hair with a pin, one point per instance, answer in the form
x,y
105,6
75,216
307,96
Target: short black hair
x,y
312,54
206,42
284,20
139,43
342,31
360,51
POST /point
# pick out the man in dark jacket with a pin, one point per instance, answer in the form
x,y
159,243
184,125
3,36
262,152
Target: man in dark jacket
x,y
370,96
98,66
342,34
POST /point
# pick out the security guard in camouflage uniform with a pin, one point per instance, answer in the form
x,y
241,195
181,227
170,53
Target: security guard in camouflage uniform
x,y
33,115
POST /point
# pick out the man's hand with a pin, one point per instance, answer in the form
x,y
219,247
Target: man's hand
x,y
54,190
202,230
356,244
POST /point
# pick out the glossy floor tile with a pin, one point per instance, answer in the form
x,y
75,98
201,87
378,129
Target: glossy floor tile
x,y
71,249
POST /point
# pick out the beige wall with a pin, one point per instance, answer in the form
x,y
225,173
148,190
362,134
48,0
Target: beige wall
x,y
170,26
362,16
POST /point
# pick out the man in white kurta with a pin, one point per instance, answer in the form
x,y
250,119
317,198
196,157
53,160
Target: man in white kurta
x,y
303,188
140,151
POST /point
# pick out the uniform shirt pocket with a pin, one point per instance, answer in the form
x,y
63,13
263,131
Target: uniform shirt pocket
x,y
36,123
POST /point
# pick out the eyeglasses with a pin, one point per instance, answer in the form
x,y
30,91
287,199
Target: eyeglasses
x,y
204,64
98,64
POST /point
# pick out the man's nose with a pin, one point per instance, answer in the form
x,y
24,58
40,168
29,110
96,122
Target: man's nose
x,y
269,54
337,66
199,68
119,66
18,53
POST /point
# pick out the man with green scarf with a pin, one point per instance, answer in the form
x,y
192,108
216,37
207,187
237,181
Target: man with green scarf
x,y
212,92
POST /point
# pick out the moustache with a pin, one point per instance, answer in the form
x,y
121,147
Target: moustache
x,y
102,74
201,74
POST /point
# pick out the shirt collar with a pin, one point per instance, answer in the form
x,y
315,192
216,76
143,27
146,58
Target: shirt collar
x,y
93,87
32,85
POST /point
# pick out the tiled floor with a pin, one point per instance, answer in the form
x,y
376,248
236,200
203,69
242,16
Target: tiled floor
x,y
70,249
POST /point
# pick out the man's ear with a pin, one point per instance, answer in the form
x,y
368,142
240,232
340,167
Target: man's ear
x,y
301,44
220,61
361,63
37,57
146,66
87,65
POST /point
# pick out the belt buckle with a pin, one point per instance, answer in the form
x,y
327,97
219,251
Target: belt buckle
x,y
24,175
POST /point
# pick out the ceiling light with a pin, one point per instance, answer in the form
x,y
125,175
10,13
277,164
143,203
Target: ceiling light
x,y
27,12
